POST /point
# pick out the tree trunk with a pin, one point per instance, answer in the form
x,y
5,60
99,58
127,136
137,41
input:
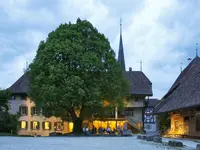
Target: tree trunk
x,y
77,121
77,129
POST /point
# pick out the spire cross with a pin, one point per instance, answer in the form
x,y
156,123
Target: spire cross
x,y
120,26
196,49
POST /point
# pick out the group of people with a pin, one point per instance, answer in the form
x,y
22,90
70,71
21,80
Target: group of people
x,y
102,130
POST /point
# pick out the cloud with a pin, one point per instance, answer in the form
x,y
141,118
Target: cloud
x,y
22,52
160,33
157,44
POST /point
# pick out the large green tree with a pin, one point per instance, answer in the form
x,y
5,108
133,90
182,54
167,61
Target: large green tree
x,y
75,71
5,95
8,122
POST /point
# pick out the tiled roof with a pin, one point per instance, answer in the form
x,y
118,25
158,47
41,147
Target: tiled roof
x,y
185,92
152,102
21,85
139,83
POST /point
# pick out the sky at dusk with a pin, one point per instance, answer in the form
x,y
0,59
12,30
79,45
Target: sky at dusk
x,y
161,33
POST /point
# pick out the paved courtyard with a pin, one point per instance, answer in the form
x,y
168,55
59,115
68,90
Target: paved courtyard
x,y
82,143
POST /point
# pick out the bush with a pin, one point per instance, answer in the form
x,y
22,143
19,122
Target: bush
x,y
8,123
164,122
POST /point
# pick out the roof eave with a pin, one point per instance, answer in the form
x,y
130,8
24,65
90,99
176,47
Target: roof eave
x,y
178,109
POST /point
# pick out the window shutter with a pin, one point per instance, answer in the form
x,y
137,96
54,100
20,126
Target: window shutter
x,y
43,125
19,124
55,125
38,126
31,125
26,110
49,125
26,124
38,111
20,110
62,126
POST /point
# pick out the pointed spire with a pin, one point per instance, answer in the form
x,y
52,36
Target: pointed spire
x,y
121,49
196,50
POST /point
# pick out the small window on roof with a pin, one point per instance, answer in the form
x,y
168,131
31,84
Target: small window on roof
x,y
13,97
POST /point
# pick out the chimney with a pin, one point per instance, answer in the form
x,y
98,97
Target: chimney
x,y
130,69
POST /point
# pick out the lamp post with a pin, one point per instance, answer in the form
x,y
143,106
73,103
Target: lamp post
x,y
116,115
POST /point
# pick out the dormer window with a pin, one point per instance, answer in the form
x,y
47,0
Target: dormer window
x,y
13,97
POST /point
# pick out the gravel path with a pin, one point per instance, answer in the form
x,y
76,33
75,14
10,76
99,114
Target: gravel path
x,y
82,143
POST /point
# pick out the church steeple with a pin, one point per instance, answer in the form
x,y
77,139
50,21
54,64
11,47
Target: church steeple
x,y
121,49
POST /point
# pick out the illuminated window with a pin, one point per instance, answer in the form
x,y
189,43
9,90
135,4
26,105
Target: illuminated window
x,y
46,125
71,125
23,124
23,110
58,126
35,125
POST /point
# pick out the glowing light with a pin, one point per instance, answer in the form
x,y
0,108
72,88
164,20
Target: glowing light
x,y
23,124
46,125
71,125
35,125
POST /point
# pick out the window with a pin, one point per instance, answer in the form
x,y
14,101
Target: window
x,y
23,97
35,125
198,123
198,109
46,125
58,126
129,112
186,118
23,125
34,111
13,97
23,110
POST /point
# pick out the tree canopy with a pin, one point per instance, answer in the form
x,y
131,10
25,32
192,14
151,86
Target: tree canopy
x,y
5,95
75,71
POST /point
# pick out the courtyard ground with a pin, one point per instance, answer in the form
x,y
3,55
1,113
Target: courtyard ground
x,y
84,143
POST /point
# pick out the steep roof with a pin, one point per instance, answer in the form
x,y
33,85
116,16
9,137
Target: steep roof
x,y
152,102
121,59
185,91
139,83
21,85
